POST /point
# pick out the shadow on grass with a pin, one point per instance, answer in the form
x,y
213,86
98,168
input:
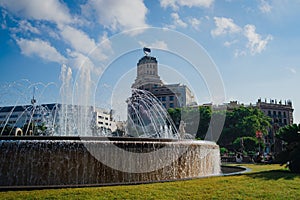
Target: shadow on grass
x,y
274,175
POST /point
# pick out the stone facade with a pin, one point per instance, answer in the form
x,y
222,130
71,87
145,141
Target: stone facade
x,y
281,115
170,95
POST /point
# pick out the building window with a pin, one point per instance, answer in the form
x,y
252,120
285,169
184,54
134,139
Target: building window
x,y
279,113
106,118
284,114
171,105
163,98
274,113
269,113
164,105
284,121
171,98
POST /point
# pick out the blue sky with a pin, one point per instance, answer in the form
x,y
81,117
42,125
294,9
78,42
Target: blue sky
x,y
254,45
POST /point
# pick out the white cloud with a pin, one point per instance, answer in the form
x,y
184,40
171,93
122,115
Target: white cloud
x,y
177,22
238,53
264,6
77,60
50,10
292,70
158,44
117,15
175,4
80,61
230,43
224,26
82,43
52,34
255,43
195,23
40,48
78,39
3,21
25,26
105,44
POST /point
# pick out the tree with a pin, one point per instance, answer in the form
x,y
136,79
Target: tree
x,y
290,156
197,119
243,122
175,114
247,144
205,117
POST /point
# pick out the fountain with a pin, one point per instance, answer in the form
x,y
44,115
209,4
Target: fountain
x,y
70,156
148,118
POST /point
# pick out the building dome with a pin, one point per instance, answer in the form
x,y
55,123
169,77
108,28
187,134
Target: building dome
x,y
147,59
147,72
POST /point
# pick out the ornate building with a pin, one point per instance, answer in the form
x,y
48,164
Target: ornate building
x,y
170,95
281,115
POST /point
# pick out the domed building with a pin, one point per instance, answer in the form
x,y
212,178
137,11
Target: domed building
x,y
171,95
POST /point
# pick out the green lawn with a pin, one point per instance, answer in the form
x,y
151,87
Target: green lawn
x,y
263,182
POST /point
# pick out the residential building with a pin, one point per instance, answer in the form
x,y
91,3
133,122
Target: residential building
x,y
55,118
281,114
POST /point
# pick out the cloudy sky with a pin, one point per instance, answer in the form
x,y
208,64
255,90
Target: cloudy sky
x,y
253,44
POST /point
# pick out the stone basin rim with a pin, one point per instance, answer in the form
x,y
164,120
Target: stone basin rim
x,y
99,138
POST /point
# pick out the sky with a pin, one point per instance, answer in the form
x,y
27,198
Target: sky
x,y
87,50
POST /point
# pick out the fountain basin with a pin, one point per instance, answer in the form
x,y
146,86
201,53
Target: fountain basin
x,y
75,161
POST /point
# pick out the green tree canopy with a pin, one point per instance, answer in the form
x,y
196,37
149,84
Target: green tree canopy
x,y
248,144
197,119
290,134
243,122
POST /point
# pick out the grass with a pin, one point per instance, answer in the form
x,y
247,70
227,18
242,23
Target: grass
x,y
263,182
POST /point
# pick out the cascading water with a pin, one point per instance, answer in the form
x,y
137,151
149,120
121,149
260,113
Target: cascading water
x,y
68,162
147,117
75,115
